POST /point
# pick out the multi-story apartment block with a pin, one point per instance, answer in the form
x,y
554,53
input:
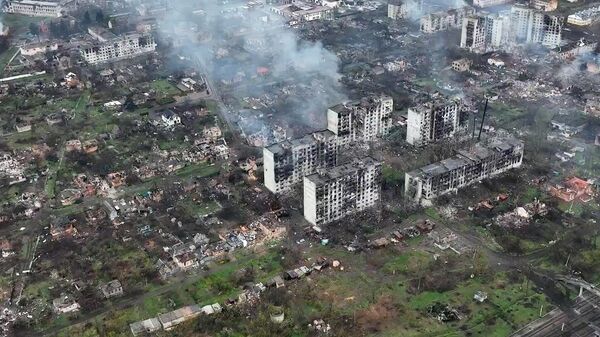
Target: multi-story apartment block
x,y
34,8
339,121
363,120
333,194
473,36
435,120
544,5
490,3
585,17
441,21
529,25
122,47
397,10
286,163
481,161
522,25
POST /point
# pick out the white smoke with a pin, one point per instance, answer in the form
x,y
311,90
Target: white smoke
x,y
231,44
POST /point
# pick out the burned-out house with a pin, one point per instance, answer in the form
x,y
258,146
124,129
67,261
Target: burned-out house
x,y
111,289
365,120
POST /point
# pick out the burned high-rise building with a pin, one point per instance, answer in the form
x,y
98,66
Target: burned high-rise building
x,y
435,120
286,163
363,120
333,194
481,161
473,36
529,25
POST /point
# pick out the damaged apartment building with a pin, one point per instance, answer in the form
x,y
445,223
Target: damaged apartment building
x,y
34,8
108,47
437,119
364,120
481,161
522,25
286,163
333,194
443,21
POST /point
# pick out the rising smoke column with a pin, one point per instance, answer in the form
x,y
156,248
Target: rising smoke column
x,y
232,45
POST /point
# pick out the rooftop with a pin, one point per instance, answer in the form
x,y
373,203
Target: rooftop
x,y
341,171
476,153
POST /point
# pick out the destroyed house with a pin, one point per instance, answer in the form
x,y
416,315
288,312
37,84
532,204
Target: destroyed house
x,y
34,8
341,191
442,21
111,289
286,163
467,167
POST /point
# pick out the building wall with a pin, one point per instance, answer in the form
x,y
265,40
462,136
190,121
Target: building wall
x,y
473,33
124,47
397,11
286,163
51,9
489,3
422,186
344,190
433,121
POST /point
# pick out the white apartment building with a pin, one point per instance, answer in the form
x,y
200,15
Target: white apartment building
x,y
529,25
122,47
34,8
473,35
490,3
585,17
397,10
485,32
435,120
364,120
300,11
481,161
442,21
34,48
333,194
286,163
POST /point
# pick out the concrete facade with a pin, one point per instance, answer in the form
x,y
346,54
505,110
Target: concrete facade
x,y
438,119
364,120
333,194
122,47
468,166
286,163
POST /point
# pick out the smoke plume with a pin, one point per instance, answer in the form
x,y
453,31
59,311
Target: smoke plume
x,y
253,52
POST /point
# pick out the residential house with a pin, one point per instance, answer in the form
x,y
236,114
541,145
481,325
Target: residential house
x,y
62,228
573,189
142,328
112,289
186,260
65,304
